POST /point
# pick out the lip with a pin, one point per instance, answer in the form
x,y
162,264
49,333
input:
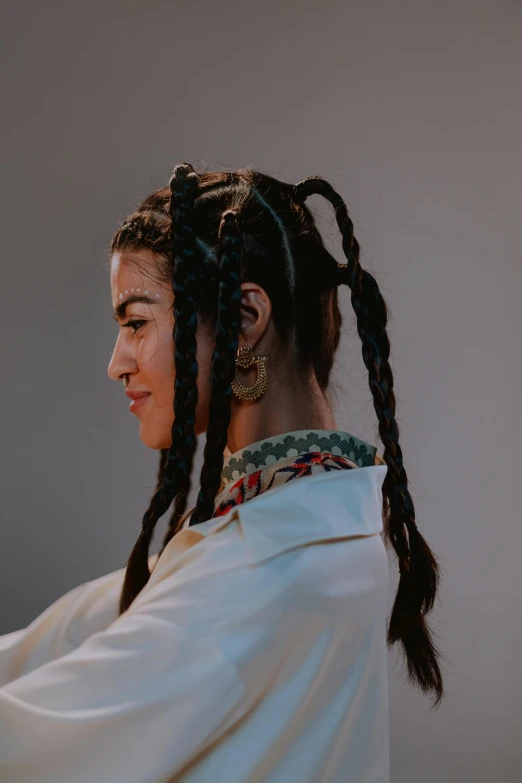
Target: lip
x,y
135,395
137,399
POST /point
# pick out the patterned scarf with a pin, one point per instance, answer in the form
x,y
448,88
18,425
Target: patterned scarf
x,y
275,460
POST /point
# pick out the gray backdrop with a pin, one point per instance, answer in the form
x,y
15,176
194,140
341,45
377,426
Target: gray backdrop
x,y
412,110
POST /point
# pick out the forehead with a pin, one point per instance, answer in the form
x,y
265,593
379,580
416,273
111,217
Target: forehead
x,y
131,277
125,273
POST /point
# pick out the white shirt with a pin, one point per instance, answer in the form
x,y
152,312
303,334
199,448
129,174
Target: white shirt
x,y
256,652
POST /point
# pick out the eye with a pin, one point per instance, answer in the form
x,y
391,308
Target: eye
x,y
134,325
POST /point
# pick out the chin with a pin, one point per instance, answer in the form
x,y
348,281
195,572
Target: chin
x,y
154,440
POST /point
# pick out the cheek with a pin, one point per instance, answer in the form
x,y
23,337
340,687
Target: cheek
x,y
156,362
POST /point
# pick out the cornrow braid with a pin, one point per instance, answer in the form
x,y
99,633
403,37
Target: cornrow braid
x,y
184,186
419,570
175,468
223,367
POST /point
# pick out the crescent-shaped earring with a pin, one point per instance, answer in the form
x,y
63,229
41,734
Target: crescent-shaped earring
x,y
246,359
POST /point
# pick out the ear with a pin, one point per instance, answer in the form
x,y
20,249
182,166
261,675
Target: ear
x,y
256,309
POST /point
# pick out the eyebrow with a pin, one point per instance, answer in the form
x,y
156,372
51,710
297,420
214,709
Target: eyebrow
x,y
121,308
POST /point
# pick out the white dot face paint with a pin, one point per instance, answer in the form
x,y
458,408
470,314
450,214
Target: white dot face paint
x,y
120,295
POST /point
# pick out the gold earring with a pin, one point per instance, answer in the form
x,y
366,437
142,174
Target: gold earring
x,y
245,359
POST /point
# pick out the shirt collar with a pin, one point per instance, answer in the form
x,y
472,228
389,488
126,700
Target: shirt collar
x,y
335,504
276,448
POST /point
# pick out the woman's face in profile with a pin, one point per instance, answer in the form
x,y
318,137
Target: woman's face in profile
x,y
144,350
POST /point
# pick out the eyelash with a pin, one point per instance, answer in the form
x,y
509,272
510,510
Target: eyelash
x,y
135,325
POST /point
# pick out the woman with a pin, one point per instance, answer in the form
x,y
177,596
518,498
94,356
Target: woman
x,y
253,646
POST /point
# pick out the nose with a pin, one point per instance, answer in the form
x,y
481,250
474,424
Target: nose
x,y
119,364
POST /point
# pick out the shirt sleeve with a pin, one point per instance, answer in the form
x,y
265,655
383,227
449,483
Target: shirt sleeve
x,y
62,627
135,703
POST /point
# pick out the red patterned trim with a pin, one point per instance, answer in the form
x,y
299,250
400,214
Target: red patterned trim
x,y
270,476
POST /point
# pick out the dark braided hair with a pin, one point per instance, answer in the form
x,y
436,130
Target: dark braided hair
x,y
211,231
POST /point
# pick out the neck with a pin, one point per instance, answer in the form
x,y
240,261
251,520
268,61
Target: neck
x,y
285,406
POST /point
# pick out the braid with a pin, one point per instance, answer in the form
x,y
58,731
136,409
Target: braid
x,y
184,185
223,366
175,468
419,570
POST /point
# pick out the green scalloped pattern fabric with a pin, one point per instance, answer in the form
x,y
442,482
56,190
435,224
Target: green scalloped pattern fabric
x,y
271,450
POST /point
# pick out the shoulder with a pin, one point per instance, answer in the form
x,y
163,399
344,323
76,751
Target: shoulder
x,y
255,611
